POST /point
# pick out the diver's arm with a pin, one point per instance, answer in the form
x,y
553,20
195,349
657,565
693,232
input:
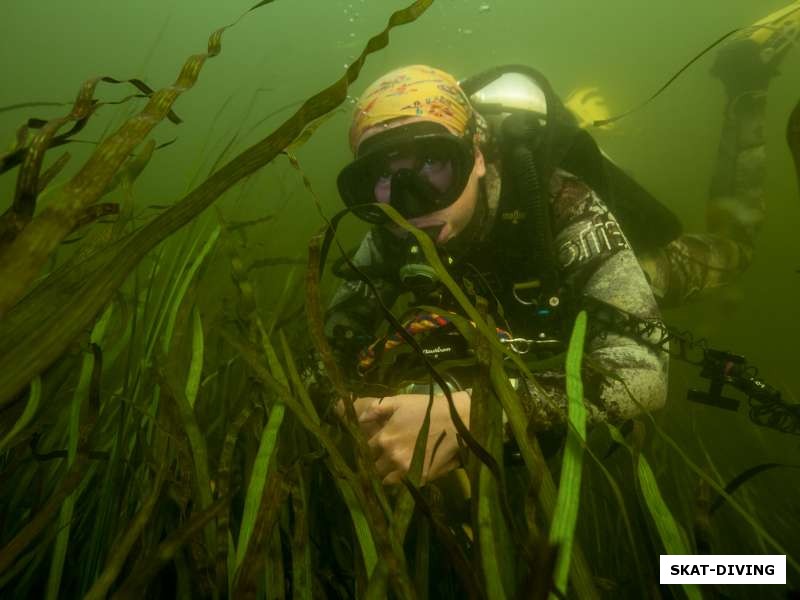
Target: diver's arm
x,y
597,261
695,262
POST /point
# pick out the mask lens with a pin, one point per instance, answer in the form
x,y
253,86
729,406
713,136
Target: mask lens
x,y
418,169
432,166
437,169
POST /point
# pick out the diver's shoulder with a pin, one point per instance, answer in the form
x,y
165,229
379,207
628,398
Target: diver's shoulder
x,y
570,197
562,181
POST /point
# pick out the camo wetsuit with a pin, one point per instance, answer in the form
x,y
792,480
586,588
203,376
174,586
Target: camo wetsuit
x,y
595,259
693,263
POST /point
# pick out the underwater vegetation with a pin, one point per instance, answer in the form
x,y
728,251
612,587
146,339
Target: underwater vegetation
x,y
158,442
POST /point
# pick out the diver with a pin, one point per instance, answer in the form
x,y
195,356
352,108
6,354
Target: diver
x,y
420,146
524,207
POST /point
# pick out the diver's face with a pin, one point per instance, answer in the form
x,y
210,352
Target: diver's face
x,y
451,220
437,172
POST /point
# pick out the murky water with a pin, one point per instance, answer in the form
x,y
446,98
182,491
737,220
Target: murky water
x,y
282,53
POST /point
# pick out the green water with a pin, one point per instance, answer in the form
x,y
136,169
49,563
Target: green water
x,y
282,53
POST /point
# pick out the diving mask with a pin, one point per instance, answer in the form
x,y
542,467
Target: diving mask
x,y
417,168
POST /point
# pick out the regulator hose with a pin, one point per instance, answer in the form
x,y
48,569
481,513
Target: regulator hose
x,y
524,134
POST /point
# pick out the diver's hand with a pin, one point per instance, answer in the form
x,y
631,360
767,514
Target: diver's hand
x,y
393,423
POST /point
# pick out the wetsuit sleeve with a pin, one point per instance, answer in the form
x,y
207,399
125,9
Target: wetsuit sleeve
x,y
354,313
597,261
695,262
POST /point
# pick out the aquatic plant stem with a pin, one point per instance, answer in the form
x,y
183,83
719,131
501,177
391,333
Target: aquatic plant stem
x,y
565,515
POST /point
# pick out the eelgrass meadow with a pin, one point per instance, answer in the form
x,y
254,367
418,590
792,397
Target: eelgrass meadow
x,y
161,293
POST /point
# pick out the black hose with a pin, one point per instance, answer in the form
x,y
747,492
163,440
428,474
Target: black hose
x,y
523,134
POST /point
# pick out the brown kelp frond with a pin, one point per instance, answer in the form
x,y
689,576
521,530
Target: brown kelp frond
x,y
134,166
60,321
140,85
51,172
306,134
146,90
86,101
94,213
17,155
27,187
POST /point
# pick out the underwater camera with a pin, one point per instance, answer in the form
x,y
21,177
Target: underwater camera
x,y
766,406
424,333
428,335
